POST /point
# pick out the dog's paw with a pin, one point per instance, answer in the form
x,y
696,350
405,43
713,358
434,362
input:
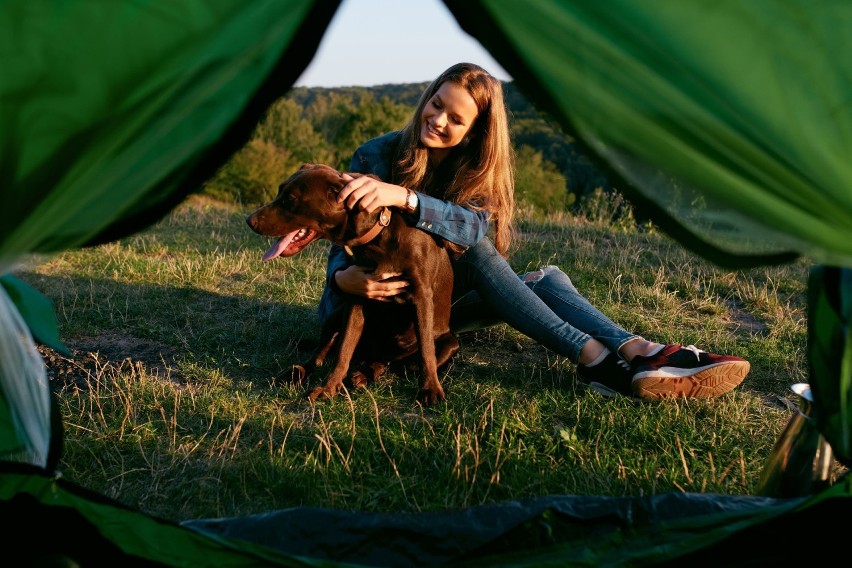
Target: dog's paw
x,y
359,380
322,393
430,396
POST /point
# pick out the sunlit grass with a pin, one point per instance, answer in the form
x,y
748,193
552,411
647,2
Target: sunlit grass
x,y
177,412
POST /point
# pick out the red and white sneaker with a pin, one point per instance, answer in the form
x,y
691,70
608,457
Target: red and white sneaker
x,y
687,372
610,377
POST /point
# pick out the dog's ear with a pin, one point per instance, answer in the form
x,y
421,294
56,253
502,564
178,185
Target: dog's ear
x,y
334,183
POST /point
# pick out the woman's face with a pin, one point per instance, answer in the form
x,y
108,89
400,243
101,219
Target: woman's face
x,y
446,119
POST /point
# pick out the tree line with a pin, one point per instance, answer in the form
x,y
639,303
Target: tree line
x,y
326,125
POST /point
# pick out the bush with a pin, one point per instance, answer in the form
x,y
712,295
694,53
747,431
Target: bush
x,y
608,209
253,174
539,183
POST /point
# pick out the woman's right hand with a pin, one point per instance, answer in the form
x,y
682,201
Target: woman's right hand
x,y
361,281
369,194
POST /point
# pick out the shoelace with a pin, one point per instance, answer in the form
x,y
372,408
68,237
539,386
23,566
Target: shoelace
x,y
624,363
695,350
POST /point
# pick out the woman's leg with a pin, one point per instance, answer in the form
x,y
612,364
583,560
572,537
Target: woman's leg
x,y
470,312
555,288
548,309
546,306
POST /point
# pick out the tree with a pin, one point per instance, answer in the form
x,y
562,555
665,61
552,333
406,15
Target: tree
x,y
285,126
345,123
323,125
253,174
539,182
582,176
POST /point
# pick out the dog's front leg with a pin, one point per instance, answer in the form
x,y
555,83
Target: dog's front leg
x,y
328,336
431,390
354,326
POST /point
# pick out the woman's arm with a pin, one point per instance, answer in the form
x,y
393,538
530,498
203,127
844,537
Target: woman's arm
x,y
343,277
337,260
447,219
332,296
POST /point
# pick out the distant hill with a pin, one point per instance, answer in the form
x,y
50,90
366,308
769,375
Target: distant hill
x,y
529,127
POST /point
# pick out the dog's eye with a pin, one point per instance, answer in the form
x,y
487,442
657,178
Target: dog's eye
x,y
287,198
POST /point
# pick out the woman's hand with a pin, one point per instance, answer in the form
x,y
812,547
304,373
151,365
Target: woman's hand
x,y
369,194
361,281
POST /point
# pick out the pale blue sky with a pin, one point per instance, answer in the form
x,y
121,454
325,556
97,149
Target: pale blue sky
x,y
375,42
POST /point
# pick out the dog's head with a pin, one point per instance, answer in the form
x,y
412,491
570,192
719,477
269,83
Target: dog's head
x,y
305,209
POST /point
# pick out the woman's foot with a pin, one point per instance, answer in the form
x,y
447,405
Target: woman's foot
x,y
671,371
688,372
610,375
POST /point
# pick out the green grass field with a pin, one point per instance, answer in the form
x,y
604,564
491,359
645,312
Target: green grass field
x,y
171,407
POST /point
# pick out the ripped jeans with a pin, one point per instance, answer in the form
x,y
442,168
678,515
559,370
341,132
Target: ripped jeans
x,y
543,305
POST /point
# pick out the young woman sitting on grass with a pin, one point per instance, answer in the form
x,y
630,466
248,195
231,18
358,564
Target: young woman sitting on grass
x,y
450,170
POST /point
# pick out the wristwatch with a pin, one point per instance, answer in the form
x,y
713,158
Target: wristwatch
x,y
411,202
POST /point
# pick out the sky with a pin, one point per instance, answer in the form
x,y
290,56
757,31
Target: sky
x,y
377,42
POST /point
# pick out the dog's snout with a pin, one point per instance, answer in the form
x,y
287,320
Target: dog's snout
x,y
251,221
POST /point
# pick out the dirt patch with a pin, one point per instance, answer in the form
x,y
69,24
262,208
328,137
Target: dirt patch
x,y
91,355
745,320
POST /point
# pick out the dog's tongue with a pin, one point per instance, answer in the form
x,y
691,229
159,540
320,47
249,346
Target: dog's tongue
x,y
278,246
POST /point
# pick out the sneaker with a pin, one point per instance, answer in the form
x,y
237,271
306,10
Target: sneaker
x,y
610,377
686,372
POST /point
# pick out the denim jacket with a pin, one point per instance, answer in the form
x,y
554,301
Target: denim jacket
x,y
449,220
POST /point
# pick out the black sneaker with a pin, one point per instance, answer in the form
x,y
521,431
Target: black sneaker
x,y
610,377
686,372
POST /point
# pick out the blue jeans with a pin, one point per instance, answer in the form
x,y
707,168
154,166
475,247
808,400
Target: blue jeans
x,y
543,305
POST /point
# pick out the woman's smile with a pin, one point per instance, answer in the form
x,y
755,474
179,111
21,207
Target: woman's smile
x,y
431,130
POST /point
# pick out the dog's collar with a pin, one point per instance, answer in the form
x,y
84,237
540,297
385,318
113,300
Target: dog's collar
x,y
382,222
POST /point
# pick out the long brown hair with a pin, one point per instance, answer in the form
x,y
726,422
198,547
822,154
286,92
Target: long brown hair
x,y
479,172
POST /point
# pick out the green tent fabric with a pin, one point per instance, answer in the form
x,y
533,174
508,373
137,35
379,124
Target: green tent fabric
x,y
830,354
51,522
113,112
728,123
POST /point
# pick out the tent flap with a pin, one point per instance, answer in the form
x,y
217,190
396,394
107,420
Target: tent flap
x,y
37,311
114,112
729,123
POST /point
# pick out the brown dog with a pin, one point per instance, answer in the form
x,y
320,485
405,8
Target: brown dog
x,y
380,333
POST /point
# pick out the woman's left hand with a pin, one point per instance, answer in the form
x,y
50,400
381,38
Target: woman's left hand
x,y
368,193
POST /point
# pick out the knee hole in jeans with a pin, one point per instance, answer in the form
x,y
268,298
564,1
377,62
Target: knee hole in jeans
x,y
537,275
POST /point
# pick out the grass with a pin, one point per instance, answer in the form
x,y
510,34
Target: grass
x,y
170,403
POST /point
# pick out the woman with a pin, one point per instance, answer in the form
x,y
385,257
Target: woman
x,y
450,169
